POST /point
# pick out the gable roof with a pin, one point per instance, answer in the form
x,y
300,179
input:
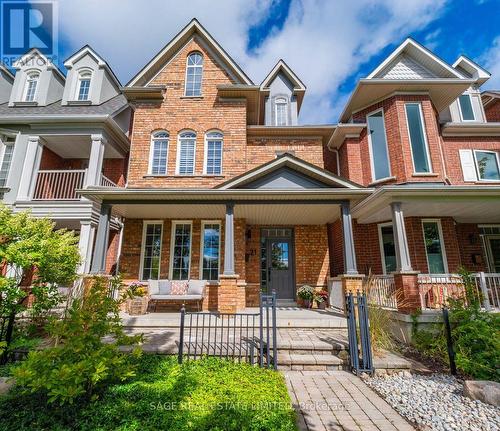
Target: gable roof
x,y
298,86
88,50
472,69
305,169
34,52
5,70
489,96
159,60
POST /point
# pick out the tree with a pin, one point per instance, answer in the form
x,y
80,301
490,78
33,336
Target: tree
x,y
36,258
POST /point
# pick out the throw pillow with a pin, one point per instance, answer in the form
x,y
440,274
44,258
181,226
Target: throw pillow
x,y
179,287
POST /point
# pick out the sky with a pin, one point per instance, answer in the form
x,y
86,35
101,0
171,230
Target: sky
x,y
329,44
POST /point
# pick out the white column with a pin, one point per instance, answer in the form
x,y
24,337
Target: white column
x,y
101,241
94,170
349,251
87,234
30,168
229,240
403,263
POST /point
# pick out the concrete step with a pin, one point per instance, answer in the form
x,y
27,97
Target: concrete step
x,y
310,362
301,347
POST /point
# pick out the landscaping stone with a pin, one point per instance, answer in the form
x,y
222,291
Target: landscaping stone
x,y
5,385
436,402
483,390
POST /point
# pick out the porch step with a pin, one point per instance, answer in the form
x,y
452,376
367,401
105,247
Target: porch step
x,y
305,347
311,362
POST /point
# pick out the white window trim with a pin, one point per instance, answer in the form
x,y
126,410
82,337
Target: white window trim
x,y
145,224
203,223
370,149
441,240
151,153
186,73
381,243
477,167
172,237
276,103
460,108
26,85
78,81
178,154
3,145
205,153
422,123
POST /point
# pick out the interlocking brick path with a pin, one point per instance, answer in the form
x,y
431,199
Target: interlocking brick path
x,y
338,400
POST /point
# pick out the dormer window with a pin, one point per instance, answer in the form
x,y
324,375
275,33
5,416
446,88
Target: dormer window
x,y
466,110
84,85
281,111
31,86
194,72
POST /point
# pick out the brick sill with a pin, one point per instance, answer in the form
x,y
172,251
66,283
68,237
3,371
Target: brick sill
x,y
192,97
425,174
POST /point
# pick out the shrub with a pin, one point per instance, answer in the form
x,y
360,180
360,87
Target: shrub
x,y
80,362
305,292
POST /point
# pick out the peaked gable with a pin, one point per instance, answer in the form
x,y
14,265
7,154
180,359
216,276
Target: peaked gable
x,y
194,28
287,172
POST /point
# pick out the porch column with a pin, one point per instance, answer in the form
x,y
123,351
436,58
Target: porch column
x,y
101,242
229,240
403,263
87,234
96,157
349,252
30,168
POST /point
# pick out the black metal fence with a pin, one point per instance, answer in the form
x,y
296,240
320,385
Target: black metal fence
x,y
358,328
242,337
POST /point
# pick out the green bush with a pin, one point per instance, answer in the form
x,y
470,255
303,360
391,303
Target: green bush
x,y
80,361
209,394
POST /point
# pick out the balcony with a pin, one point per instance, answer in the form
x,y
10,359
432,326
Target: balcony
x,y
61,185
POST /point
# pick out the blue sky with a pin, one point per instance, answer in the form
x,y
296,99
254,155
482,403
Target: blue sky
x,y
329,43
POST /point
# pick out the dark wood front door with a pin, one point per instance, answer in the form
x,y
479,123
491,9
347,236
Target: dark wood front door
x,y
280,267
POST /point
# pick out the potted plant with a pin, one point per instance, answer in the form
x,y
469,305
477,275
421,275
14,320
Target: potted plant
x,y
306,294
321,299
138,302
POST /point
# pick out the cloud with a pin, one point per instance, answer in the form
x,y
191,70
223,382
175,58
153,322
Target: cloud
x,y
490,59
324,42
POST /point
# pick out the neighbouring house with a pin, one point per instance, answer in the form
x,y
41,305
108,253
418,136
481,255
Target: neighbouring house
x,y
213,178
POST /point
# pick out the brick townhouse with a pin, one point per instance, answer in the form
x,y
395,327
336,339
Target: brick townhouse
x,y
192,171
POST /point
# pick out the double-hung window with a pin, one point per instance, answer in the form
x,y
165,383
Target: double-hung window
x,y
418,140
180,251
210,251
194,73
84,85
378,146
31,86
487,165
6,152
213,153
387,248
151,250
434,247
281,111
186,153
158,153
466,110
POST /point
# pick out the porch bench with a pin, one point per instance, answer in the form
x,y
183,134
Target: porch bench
x,y
159,290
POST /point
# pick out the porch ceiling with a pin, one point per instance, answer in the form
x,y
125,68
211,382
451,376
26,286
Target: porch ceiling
x,y
73,146
466,204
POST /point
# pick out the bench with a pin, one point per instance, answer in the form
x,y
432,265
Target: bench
x,y
160,290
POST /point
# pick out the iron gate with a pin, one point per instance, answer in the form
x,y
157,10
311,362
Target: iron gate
x,y
358,328
242,337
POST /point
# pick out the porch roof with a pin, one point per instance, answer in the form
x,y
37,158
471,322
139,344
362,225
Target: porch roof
x,y
466,204
283,207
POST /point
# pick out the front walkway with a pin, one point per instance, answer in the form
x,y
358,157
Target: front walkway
x,y
338,400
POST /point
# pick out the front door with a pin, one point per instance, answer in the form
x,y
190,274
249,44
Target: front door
x,y
279,264
493,243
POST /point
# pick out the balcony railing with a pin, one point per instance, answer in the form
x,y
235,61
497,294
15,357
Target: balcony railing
x,y
381,291
61,185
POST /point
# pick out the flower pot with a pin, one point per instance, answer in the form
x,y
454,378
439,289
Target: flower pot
x,y
307,303
138,305
322,305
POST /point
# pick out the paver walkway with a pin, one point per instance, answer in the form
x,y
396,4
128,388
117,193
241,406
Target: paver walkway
x,y
338,400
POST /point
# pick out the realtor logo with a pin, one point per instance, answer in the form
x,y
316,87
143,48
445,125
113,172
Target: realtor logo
x,y
25,25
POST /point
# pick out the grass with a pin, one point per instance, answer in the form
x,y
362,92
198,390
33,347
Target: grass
x,y
208,394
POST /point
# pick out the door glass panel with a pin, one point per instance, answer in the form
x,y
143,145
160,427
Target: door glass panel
x,y
279,255
495,254
388,248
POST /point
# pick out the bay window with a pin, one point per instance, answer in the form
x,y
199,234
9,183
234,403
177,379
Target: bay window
x,y
378,146
418,140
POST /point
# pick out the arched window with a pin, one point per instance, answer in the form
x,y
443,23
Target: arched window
x,y
194,72
158,155
31,86
281,113
186,153
83,87
213,153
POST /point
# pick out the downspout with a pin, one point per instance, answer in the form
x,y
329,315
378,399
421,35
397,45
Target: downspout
x,y
337,158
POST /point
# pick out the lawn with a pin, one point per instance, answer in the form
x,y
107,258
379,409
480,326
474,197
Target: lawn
x,y
209,394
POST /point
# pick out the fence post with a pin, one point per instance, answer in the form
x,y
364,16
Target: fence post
x,y
449,341
261,333
484,291
275,358
181,335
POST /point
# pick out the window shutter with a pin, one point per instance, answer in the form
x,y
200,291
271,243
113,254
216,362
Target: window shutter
x,y
468,167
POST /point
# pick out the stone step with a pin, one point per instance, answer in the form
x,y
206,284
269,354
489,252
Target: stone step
x,y
333,346
311,362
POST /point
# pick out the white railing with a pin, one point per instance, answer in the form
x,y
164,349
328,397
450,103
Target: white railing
x,y
59,184
106,182
381,291
489,286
